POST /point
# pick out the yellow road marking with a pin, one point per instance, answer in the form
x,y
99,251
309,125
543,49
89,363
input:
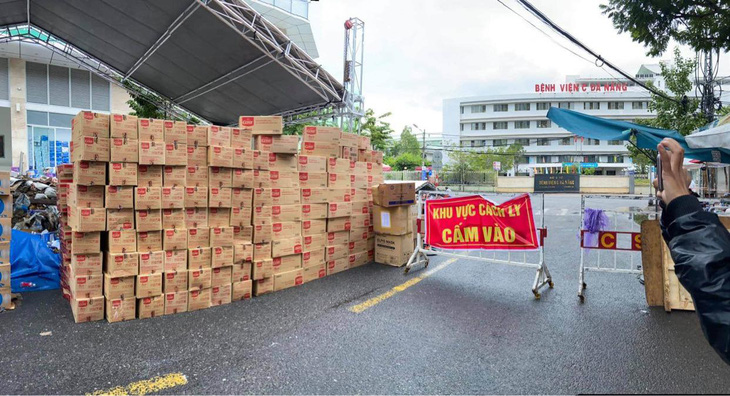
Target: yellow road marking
x,y
403,286
144,387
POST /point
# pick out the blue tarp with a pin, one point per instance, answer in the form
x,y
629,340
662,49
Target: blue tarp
x,y
646,137
33,265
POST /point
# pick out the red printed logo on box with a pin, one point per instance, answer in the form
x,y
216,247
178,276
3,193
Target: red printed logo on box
x,y
195,253
190,190
333,177
80,258
118,142
142,168
145,145
145,123
298,280
306,255
142,214
247,121
218,251
115,166
322,273
145,256
331,236
276,227
114,281
170,147
170,233
275,210
309,145
146,301
307,240
267,140
217,150
116,303
190,128
85,212
333,207
306,192
297,248
307,225
303,160
274,175
168,254
127,225
170,296
83,303
275,192
196,274
118,259
88,115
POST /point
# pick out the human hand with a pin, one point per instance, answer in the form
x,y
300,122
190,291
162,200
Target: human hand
x,y
674,177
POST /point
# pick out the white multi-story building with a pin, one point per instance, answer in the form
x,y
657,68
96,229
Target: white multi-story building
x,y
474,123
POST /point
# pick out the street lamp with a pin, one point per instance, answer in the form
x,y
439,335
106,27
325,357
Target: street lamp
x,y
423,149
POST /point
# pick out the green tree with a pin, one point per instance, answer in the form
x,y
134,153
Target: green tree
x,y
377,129
506,156
406,161
408,143
145,106
702,24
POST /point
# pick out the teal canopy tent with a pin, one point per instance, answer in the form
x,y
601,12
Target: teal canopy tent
x,y
646,137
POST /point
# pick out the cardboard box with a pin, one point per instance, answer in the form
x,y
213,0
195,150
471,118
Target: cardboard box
x,y
357,259
85,196
149,241
283,162
242,178
361,168
241,138
314,272
151,153
241,197
199,278
359,181
313,227
85,285
172,197
219,136
87,309
122,174
174,176
219,217
119,219
276,196
80,219
197,135
282,144
363,143
117,241
198,299
87,148
262,269
87,123
260,160
120,310
148,198
313,164
321,134
283,179
263,286
340,165
197,176
262,125
314,211
196,197
243,158
348,139
5,230
148,220
359,234
149,307
261,178
286,263
175,281
176,302
220,156
85,242
312,242
261,215
285,280
313,257
393,249
323,149
149,176
286,246
175,132
286,229
221,276
149,285
242,252
312,180
335,252
84,264
220,177
339,209
221,256
241,271
360,207
340,180
196,218
198,155
243,234
199,258
315,195
240,217
221,236
282,213
119,286
174,239
124,150
173,218
241,290
350,153
176,154
220,295
360,220
396,220
395,194
371,246
339,224
89,173
219,197
151,129
358,246
261,251
176,261
338,265
337,238
198,237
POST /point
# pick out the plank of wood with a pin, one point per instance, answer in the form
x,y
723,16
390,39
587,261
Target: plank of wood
x,y
676,297
651,262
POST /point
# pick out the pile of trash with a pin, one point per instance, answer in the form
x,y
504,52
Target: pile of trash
x,y
34,203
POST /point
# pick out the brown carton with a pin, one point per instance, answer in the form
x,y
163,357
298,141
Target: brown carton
x,y
242,178
149,285
85,196
261,251
85,285
339,224
321,134
120,241
312,180
86,264
313,257
240,217
316,195
314,272
87,123
339,209
350,153
284,179
243,234
199,278
262,125
340,165
220,295
176,154
119,286
286,246
197,176
336,251
85,242
262,269
261,178
338,265
176,302
242,252
221,256
151,153
220,156
281,213
174,176
263,286
363,143
219,197
198,299
172,197
220,276
261,215
241,138
149,176
350,140
199,258
360,220
340,180
243,158
396,220
360,181
220,177
175,132
149,307
282,144
260,160
197,155
148,220
323,149
360,207
174,239
358,246
124,150
241,197
285,280
64,173
120,309
173,218
151,129
122,174
176,260
87,148
151,262
221,236
393,249
359,234
283,162
87,309
314,211
314,227
241,290
276,196
286,229
337,238
197,135
361,168
198,237
371,245
358,258
312,242
148,198
313,164
119,219
286,263
196,218
175,281
149,241
241,271
89,173
86,219
219,136
395,194
196,197
219,217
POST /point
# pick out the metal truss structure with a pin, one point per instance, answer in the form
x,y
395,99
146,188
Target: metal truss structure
x,y
352,80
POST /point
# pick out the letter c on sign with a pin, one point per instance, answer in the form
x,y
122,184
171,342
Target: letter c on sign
x,y
608,240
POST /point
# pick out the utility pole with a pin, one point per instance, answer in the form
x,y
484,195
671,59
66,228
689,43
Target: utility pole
x,y
707,84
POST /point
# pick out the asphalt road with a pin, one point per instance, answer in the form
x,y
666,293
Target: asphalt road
x,y
471,327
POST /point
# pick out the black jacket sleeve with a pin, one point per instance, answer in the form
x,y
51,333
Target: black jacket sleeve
x,y
700,248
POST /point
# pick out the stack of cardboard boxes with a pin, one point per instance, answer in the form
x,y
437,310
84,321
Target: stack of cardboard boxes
x,y
394,213
160,217
6,214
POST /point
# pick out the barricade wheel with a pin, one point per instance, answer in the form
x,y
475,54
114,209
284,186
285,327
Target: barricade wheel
x,y
551,284
582,298
405,271
585,286
537,295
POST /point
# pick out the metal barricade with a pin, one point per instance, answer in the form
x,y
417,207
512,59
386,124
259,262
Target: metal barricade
x,y
623,242
532,259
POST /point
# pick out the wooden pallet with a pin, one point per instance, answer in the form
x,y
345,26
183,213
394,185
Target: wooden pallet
x,y
676,297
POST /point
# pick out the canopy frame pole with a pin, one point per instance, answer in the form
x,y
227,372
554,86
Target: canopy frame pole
x,y
641,150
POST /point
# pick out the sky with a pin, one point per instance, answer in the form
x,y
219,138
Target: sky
x,y
420,52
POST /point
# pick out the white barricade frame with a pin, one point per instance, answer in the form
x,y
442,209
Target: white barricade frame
x,y
542,276
589,266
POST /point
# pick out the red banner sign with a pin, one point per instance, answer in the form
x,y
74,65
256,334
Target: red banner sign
x,y
608,240
476,223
